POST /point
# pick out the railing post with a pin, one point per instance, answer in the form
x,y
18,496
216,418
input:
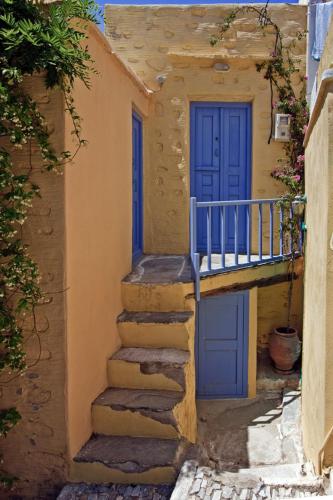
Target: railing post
x,y
195,257
300,237
193,227
209,238
197,276
281,230
260,231
222,235
248,232
271,230
236,234
291,219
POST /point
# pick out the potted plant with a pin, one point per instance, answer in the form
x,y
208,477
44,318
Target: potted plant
x,y
284,343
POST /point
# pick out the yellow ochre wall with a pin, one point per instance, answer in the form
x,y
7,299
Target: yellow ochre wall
x,y
174,41
35,449
273,309
98,211
80,234
317,387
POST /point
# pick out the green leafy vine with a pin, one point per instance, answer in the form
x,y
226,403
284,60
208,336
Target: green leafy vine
x,y
34,39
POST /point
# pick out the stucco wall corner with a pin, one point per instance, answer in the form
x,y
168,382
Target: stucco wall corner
x,y
317,407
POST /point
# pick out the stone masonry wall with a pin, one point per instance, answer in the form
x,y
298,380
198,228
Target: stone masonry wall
x,y
35,450
174,42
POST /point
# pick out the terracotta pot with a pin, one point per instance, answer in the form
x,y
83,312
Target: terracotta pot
x,y
284,349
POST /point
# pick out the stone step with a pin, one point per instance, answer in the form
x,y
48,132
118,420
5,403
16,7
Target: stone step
x,y
157,297
142,368
156,329
301,474
159,283
137,413
115,459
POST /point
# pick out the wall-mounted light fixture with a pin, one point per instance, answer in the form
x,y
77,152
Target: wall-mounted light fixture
x,y
221,67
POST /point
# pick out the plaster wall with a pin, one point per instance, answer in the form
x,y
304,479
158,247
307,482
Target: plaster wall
x,y
273,309
317,387
174,42
98,189
80,234
253,341
35,449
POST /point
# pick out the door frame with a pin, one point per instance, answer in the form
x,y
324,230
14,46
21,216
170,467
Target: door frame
x,y
136,255
247,105
194,105
247,391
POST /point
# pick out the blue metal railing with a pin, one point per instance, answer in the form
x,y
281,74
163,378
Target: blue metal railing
x,y
220,234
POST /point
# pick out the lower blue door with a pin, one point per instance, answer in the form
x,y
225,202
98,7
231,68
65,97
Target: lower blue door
x,y
137,187
221,167
222,346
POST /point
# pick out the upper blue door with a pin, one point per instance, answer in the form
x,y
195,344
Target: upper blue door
x,y
137,186
222,346
221,166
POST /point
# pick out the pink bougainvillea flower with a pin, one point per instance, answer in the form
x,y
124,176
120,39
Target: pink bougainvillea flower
x,y
296,178
300,158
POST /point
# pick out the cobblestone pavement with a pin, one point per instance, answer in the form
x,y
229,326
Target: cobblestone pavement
x,y
204,483
83,491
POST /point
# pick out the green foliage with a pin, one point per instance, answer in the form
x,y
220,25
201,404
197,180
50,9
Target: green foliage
x,y
45,39
8,419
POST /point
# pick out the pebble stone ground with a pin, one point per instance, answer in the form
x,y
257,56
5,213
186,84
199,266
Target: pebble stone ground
x,y
83,491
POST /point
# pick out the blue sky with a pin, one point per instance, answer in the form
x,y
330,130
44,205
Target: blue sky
x,y
183,2
165,2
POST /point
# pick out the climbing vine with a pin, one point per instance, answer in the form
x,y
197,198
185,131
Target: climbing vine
x,y
34,39
282,69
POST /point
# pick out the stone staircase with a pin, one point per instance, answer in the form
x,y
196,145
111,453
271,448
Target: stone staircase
x,y
143,421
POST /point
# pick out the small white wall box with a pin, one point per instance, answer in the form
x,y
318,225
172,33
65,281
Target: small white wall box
x,y
282,127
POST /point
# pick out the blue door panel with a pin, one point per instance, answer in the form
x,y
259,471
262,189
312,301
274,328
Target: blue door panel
x,y
220,167
136,186
206,145
209,182
222,346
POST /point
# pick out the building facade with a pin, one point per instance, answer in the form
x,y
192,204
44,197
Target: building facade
x,y
139,333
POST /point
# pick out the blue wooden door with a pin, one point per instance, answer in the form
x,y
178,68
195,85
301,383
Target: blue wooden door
x,y
221,167
222,346
137,187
